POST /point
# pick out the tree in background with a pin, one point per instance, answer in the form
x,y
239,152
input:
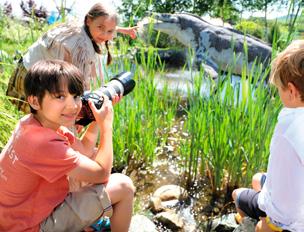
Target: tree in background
x,y
226,10
134,10
200,7
261,5
300,24
294,11
172,6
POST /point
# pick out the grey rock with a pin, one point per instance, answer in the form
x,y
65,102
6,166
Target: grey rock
x,y
171,220
248,225
170,192
167,197
225,223
142,223
156,205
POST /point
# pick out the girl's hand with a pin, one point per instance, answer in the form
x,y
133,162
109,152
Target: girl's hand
x,y
104,115
131,31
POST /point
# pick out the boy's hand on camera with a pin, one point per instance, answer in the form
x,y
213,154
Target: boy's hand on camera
x,y
116,99
79,128
104,115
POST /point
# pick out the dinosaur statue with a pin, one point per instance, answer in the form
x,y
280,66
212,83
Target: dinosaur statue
x,y
215,46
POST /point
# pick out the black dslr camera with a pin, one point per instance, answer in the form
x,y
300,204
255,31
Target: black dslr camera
x,y
121,84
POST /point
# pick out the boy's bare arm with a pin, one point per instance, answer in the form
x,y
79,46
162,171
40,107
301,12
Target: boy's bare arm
x,y
86,145
98,171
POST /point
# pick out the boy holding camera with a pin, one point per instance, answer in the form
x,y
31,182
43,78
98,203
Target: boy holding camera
x,y
279,204
42,154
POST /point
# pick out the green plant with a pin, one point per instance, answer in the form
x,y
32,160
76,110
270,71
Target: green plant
x,y
225,135
275,36
251,28
230,131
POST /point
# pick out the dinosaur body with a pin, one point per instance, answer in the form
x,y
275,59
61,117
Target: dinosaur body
x,y
219,47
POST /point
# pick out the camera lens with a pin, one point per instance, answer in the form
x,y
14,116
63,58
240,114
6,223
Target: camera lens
x,y
121,84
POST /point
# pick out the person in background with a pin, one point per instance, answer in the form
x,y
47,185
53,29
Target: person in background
x,y
42,154
74,43
278,203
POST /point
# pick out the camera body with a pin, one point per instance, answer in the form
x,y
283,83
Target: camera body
x,y
121,84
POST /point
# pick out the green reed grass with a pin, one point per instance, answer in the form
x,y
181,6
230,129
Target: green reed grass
x,y
227,135
141,116
15,36
230,131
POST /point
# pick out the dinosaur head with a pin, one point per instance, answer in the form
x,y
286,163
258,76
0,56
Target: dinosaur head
x,y
163,22
166,18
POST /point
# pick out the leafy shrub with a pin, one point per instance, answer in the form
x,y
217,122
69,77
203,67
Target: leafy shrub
x,y
251,28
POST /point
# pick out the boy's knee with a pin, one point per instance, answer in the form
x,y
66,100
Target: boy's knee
x,y
125,183
236,192
256,181
128,185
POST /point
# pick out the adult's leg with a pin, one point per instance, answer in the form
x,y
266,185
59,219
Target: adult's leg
x,y
121,190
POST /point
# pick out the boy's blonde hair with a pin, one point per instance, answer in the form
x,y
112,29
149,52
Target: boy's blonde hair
x,y
288,66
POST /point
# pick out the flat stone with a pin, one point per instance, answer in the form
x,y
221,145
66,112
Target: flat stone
x,y
171,192
142,223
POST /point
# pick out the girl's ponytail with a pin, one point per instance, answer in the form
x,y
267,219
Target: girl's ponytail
x,y
109,56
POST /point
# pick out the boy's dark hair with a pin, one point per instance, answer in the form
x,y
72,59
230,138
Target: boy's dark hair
x,y
50,76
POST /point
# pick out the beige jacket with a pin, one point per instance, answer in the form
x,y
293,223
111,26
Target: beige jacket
x,y
66,42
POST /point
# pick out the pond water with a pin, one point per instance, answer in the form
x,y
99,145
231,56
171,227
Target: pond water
x,y
167,169
183,82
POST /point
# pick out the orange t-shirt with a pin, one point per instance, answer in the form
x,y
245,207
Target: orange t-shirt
x,y
33,181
